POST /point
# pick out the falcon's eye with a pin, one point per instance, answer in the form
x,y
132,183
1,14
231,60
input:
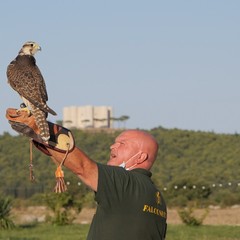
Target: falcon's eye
x,y
31,45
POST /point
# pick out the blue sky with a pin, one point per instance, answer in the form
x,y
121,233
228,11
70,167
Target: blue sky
x,y
173,64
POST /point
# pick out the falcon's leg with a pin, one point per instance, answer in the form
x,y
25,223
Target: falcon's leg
x,y
24,106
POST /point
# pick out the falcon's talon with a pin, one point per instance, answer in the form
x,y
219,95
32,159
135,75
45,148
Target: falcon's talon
x,y
24,109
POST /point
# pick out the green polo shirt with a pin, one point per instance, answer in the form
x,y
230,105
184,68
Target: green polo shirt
x,y
129,206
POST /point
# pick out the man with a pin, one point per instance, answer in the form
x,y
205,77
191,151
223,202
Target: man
x,y
130,207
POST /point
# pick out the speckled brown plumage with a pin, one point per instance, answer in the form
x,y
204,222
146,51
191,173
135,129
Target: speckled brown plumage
x,y
25,78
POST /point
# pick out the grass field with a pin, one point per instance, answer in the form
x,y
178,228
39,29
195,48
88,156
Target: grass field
x,y
79,232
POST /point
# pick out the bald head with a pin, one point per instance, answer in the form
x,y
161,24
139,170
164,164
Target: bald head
x,y
138,146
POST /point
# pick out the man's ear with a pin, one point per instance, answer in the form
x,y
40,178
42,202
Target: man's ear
x,y
143,157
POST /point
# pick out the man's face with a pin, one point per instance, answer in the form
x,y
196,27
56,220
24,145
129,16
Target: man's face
x,y
125,147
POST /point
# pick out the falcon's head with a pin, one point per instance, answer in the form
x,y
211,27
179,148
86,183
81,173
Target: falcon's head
x,y
29,48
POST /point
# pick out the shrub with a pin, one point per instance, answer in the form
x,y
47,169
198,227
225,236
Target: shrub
x,y
188,217
5,207
61,204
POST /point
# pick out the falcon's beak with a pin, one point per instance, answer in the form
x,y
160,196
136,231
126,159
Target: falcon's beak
x,y
37,47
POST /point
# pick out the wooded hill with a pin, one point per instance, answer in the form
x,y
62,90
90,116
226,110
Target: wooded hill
x,y
192,167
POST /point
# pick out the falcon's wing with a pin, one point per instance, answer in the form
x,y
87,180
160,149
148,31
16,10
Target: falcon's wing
x,y
28,81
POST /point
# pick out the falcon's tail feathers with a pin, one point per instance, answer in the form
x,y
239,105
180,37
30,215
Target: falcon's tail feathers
x,y
41,123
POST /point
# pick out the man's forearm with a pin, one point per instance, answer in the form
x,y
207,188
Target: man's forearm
x,y
80,164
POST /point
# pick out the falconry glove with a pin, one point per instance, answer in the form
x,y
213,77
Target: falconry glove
x,y
61,139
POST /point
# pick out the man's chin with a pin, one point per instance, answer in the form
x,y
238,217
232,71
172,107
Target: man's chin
x,y
111,162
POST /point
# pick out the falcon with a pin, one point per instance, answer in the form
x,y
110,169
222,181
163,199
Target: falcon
x,y
25,78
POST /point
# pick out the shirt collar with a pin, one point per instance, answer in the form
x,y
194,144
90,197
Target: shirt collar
x,y
142,171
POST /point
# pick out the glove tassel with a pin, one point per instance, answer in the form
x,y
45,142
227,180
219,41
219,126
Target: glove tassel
x,y
60,183
59,174
31,175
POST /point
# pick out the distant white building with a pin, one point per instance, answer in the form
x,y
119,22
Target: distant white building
x,y
87,117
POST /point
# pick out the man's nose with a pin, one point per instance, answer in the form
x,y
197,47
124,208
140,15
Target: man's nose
x,y
115,145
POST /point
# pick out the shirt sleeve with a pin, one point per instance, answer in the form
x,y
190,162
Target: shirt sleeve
x,y
113,183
